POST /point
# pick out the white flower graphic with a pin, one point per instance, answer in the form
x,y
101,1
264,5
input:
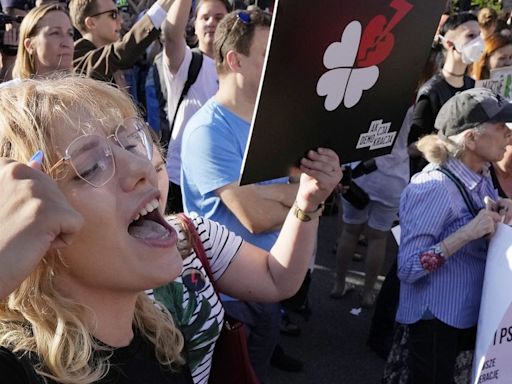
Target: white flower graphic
x,y
342,82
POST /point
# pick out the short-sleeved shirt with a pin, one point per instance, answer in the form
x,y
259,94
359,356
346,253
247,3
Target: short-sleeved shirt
x,y
204,87
197,311
214,143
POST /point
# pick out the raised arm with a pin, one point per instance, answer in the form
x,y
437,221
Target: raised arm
x,y
255,274
174,31
101,62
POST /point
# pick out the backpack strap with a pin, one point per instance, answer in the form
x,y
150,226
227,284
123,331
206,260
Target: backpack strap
x,y
193,73
462,189
161,94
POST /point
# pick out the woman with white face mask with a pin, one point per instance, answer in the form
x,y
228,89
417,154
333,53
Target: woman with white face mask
x,y
462,45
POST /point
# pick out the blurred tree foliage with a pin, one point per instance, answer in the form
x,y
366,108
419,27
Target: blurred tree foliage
x,y
457,5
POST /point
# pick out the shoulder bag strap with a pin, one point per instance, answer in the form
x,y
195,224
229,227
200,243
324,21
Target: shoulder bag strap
x,y
197,244
465,195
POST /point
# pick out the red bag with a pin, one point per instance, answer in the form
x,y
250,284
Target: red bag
x,y
230,362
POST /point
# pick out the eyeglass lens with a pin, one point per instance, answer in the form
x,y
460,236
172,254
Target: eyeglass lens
x,y
91,155
92,159
132,136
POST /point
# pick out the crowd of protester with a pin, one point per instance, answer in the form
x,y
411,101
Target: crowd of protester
x,y
114,117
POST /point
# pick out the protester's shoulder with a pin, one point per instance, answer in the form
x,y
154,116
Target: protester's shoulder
x,y
83,46
430,85
469,82
11,368
209,64
430,182
206,119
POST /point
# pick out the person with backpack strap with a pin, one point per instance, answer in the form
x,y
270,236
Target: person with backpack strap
x,y
186,87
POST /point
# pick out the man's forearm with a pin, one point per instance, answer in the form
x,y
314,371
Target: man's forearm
x,y
282,193
259,208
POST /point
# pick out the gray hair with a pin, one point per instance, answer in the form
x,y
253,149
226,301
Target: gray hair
x,y
437,149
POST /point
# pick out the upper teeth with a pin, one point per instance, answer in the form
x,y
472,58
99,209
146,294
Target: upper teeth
x,y
150,207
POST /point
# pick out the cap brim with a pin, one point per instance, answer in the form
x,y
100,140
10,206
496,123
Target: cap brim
x,y
505,115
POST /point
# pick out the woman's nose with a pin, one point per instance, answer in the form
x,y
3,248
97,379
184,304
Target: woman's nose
x,y
133,169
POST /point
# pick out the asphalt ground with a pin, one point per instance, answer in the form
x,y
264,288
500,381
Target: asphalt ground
x,y
332,343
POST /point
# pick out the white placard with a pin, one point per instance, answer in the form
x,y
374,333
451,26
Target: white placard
x,y
493,352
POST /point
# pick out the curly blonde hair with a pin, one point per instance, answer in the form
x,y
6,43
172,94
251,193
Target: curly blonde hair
x,y
36,318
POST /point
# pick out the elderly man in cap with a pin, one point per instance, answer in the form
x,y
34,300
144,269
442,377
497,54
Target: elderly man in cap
x,y
447,214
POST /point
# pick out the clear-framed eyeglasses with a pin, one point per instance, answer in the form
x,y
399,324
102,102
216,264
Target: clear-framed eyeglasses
x,y
91,155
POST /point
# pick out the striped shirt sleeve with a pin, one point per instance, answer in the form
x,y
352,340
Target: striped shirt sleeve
x,y
220,244
424,210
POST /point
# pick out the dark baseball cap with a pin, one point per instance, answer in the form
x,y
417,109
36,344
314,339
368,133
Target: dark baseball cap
x,y
470,108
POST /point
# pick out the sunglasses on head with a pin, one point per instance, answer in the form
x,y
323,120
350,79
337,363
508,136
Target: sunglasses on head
x,y
242,17
113,13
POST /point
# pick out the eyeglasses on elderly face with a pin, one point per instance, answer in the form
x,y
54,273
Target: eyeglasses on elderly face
x,y
91,155
113,13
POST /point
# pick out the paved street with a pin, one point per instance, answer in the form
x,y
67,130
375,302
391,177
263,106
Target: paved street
x,y
332,343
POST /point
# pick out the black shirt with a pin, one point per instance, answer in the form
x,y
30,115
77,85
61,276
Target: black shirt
x,y
431,97
133,364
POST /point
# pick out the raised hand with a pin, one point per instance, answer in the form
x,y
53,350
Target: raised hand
x,y
321,174
34,217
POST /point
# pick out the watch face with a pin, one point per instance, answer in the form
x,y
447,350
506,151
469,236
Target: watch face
x,y
193,279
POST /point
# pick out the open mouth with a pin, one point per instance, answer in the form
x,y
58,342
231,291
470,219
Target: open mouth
x,y
150,224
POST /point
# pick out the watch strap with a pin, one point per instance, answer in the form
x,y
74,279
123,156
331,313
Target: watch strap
x,y
307,216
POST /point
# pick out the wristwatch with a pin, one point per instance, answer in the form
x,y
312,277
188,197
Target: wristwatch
x,y
438,250
306,216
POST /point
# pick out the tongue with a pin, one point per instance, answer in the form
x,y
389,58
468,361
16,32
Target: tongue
x,y
148,230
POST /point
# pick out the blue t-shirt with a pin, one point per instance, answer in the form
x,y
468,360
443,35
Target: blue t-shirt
x,y
213,149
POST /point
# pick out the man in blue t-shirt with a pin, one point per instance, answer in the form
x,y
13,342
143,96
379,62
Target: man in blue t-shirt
x,y
214,142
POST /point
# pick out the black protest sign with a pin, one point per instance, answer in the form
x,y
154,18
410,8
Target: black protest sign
x,y
339,74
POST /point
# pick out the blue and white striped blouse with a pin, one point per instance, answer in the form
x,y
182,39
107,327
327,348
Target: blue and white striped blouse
x,y
431,209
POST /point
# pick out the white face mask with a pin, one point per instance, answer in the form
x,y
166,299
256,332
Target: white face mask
x,y
471,51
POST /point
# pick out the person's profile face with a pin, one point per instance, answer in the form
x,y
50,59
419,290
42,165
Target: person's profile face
x,y
252,65
107,22
52,47
464,33
491,141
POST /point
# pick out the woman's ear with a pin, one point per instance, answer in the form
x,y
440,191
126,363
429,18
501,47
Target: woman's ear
x,y
27,43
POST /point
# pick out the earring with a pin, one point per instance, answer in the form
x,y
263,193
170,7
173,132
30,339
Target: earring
x,y
31,62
